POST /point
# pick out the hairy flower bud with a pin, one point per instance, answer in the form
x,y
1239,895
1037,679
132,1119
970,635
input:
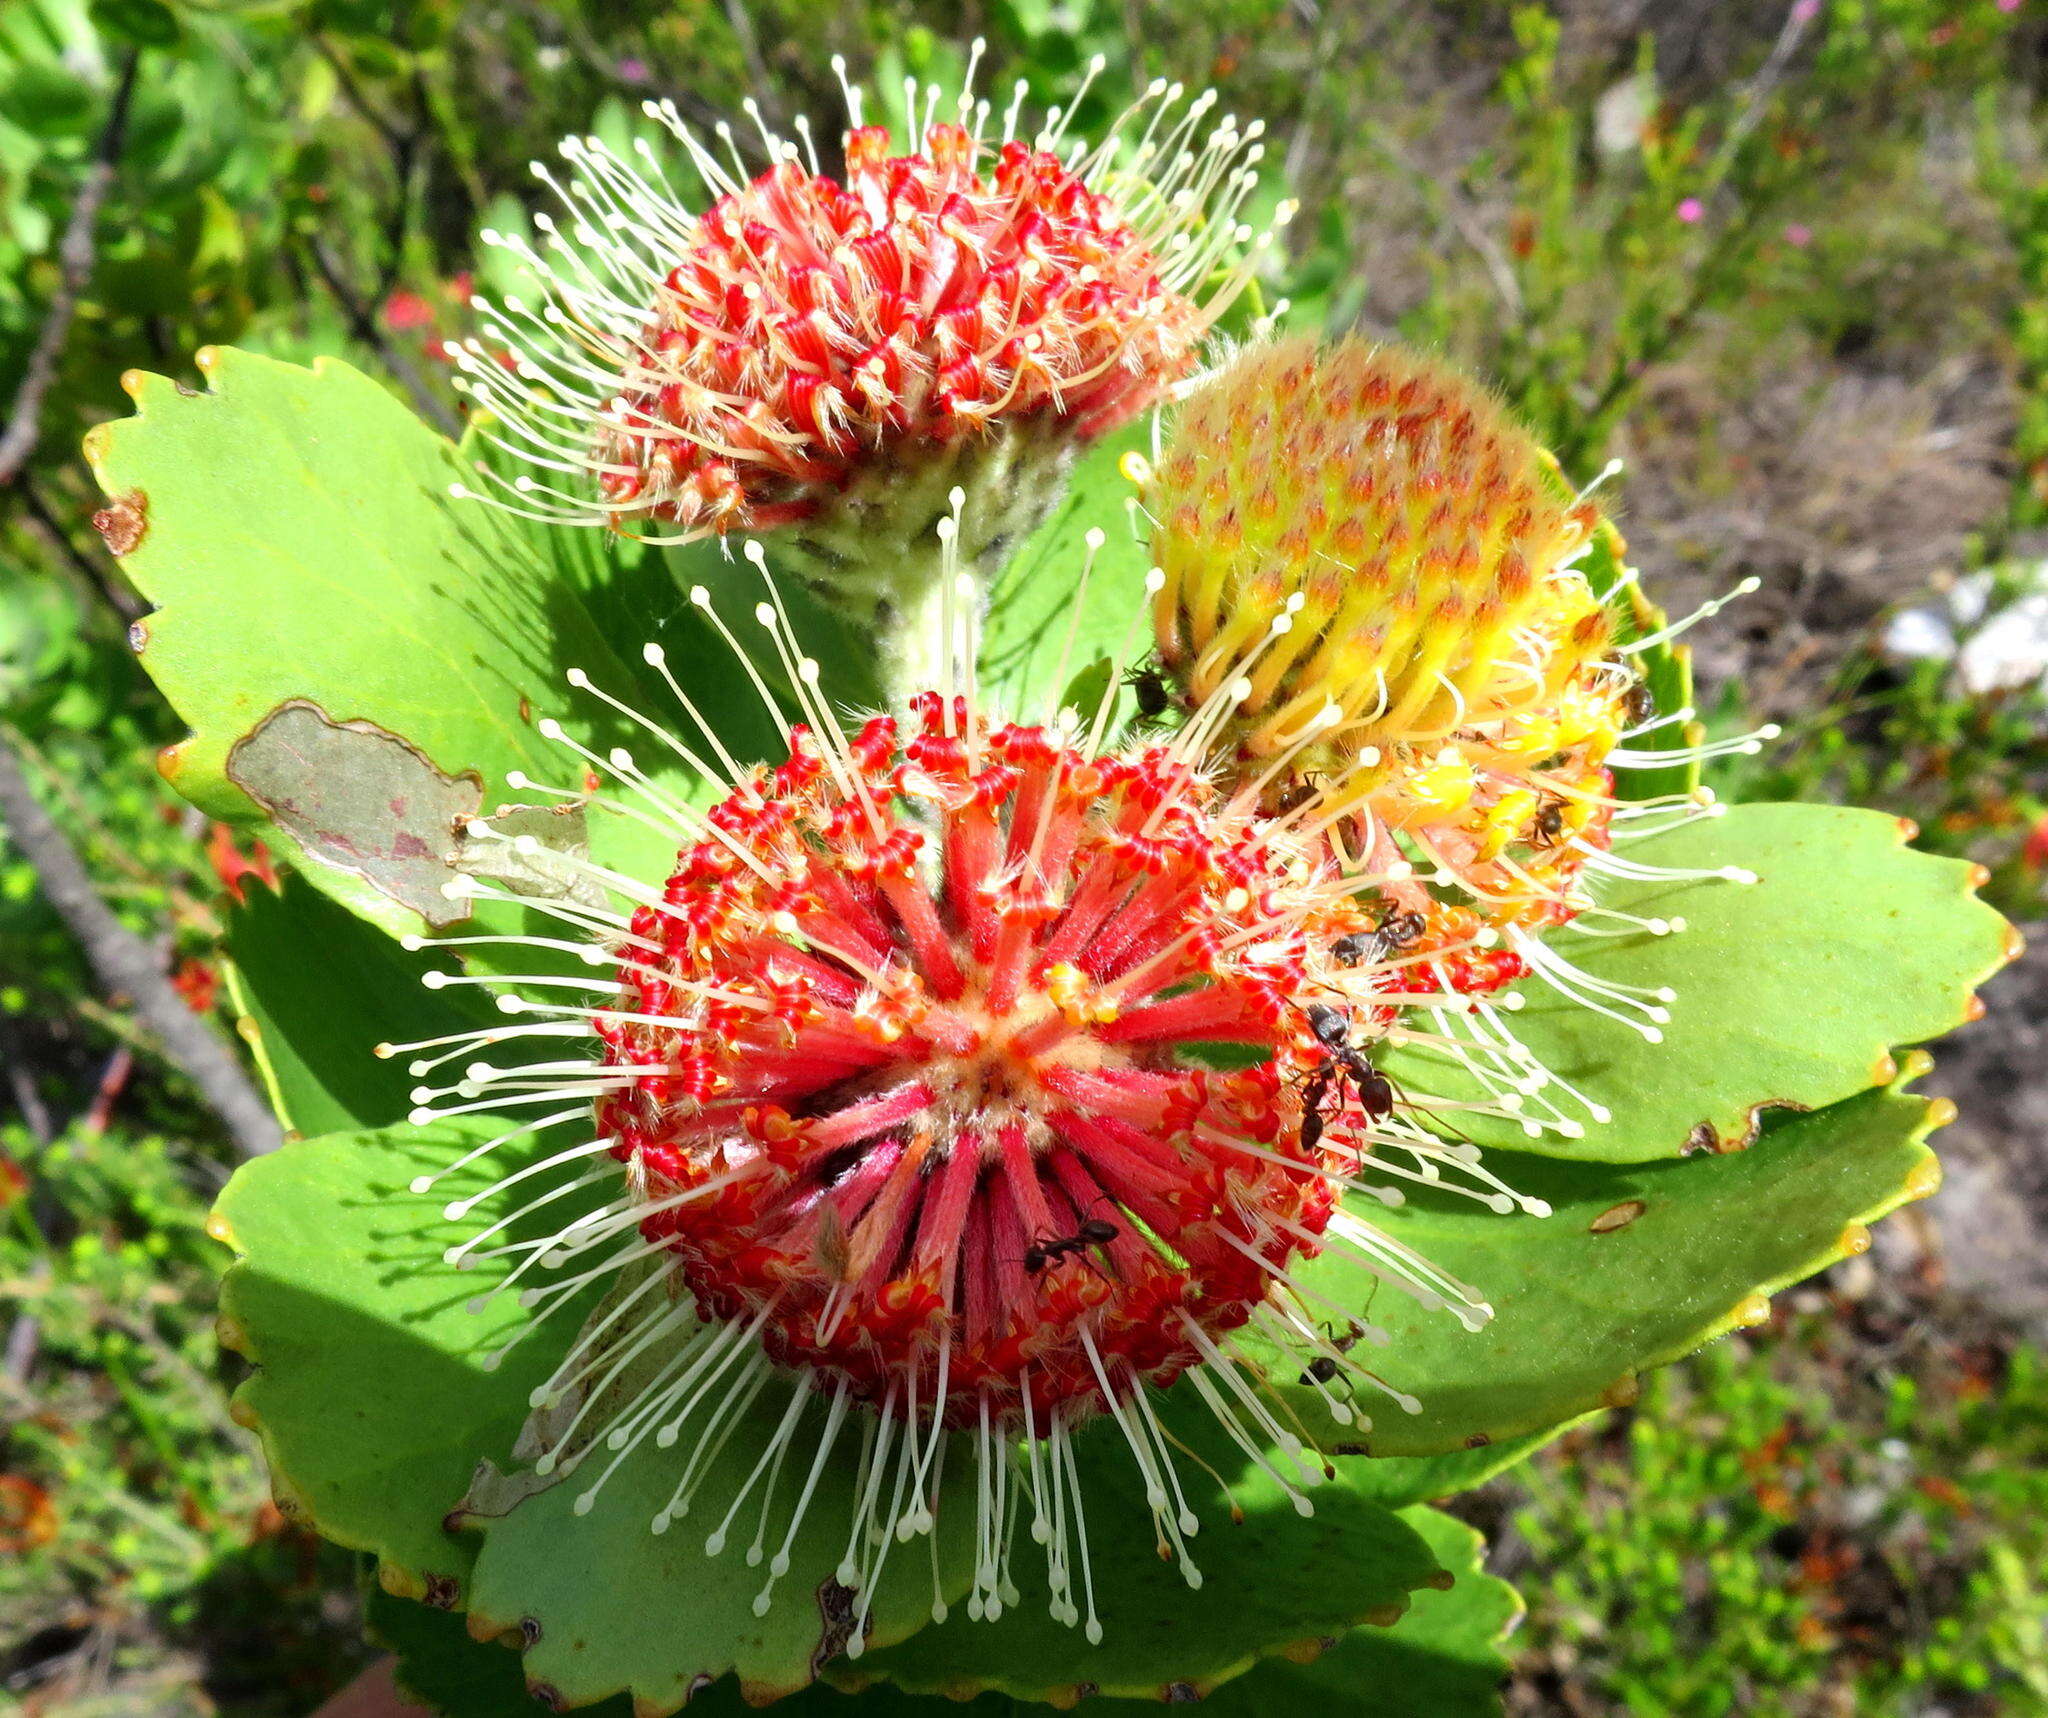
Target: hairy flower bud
x,y
1446,669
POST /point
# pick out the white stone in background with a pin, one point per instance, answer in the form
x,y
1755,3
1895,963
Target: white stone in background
x,y
2001,653
1920,635
2010,650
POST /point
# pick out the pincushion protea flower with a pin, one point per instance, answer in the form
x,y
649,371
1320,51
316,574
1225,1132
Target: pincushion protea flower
x,y
1451,677
833,354
907,1106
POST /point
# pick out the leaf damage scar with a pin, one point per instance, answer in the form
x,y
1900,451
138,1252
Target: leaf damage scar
x,y
362,799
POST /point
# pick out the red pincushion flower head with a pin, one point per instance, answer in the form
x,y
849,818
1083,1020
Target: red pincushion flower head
x,y
831,354
907,1104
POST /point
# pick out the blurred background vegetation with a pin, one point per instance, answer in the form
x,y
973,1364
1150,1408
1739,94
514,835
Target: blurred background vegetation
x,y
1787,260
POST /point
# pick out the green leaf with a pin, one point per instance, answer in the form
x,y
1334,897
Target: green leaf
x,y
371,1392
1635,1266
1042,627
1442,1659
49,102
447,1669
148,23
319,989
1791,991
556,1574
441,1663
1666,669
1398,1482
358,653
846,657
1271,1582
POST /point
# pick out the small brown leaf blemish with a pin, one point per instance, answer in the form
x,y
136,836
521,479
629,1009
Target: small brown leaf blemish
x,y
1702,1138
138,636
1179,1694
836,1610
1442,1580
1617,1217
442,1592
525,708
1478,1441
1623,1391
548,1695
184,389
529,1630
123,522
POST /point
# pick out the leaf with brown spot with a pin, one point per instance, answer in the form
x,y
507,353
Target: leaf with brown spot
x,y
1788,991
302,546
1617,1217
1577,1308
361,799
123,522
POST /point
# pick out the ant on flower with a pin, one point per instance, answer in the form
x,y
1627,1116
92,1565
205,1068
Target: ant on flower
x,y
1368,948
1343,1062
1149,690
1046,1250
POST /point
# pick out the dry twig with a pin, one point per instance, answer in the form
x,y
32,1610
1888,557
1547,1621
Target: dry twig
x,y
126,965
74,262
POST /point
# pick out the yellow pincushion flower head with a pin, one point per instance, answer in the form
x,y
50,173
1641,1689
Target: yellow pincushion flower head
x,y
1447,675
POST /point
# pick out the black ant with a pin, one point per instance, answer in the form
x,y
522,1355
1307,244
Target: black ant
x,y
1369,948
1360,948
1150,692
1548,829
1404,930
1324,1367
1343,1062
1046,1250
1332,1028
